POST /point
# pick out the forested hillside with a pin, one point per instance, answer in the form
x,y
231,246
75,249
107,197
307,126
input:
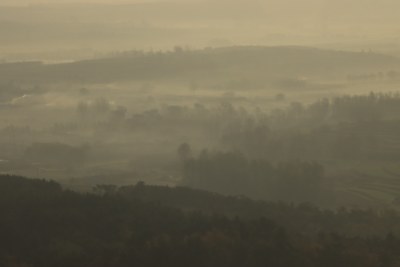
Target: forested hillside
x,y
43,225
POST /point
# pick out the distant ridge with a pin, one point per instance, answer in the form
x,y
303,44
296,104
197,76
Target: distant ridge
x,y
254,60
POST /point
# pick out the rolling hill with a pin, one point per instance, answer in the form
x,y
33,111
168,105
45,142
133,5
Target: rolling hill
x,y
251,62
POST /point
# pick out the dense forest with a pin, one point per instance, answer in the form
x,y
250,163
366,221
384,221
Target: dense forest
x,y
45,225
232,173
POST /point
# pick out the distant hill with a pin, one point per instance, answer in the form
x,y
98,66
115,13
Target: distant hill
x,y
251,62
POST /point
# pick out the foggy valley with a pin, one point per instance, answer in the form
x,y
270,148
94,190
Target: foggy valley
x,y
176,133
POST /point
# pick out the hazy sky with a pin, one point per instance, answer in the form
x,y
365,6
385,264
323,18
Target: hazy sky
x,y
210,23
24,2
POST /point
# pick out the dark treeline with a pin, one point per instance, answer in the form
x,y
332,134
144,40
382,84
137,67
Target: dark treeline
x,y
302,218
337,112
232,173
43,225
347,127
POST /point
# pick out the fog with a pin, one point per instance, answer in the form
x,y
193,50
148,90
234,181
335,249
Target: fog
x,y
199,133
106,92
276,123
